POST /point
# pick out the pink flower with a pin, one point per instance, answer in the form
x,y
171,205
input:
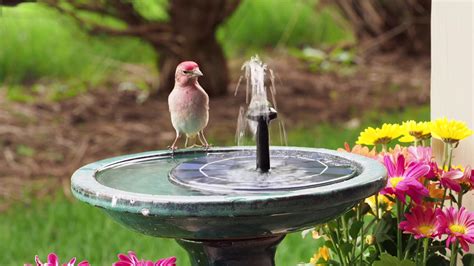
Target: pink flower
x,y
420,222
419,154
53,261
132,260
403,180
452,179
435,172
458,225
468,177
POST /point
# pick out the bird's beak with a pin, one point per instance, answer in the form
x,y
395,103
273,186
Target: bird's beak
x,y
197,72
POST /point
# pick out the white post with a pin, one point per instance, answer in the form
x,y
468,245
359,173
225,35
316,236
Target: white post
x,y
452,72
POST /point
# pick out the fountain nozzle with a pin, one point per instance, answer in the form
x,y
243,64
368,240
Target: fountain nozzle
x,y
262,136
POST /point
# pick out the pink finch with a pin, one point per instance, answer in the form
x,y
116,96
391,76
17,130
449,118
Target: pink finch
x,y
188,104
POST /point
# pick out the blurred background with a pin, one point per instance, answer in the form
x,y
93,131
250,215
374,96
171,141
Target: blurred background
x,y
82,80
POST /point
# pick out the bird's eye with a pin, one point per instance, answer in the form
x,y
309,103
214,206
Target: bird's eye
x,y
187,72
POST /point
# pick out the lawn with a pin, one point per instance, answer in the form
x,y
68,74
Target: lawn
x,y
71,228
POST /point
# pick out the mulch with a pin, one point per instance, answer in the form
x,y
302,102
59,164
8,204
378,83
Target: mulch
x,y
61,136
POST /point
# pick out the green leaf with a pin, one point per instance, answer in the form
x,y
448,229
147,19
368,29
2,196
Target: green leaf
x,y
349,214
468,260
382,229
346,248
389,260
355,229
330,245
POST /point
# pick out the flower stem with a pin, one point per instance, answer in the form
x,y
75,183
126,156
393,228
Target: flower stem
x,y
399,232
418,244
408,247
443,199
338,250
460,198
425,250
445,154
454,254
377,207
450,155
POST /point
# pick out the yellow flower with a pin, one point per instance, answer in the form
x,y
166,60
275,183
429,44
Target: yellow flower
x,y
384,203
450,131
374,136
415,131
369,239
323,252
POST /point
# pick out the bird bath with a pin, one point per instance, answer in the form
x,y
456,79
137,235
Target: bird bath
x,y
230,206
233,219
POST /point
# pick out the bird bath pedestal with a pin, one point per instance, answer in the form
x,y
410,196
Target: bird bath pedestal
x,y
217,206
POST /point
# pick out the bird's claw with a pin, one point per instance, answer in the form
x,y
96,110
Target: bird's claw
x,y
172,147
194,146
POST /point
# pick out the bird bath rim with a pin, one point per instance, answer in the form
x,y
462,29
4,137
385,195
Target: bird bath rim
x,y
85,186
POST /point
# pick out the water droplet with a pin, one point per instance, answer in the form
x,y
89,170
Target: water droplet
x,y
145,212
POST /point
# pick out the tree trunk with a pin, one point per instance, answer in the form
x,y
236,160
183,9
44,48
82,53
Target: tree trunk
x,y
194,25
210,58
389,25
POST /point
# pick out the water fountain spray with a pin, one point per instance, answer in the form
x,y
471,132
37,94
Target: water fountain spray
x,y
259,110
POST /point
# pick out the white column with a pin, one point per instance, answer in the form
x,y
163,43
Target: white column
x,y
452,71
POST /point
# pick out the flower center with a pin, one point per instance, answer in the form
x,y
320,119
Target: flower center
x,y
416,134
395,180
425,229
383,140
457,228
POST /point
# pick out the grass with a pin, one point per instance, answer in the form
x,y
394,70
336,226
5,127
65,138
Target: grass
x,y
38,43
71,228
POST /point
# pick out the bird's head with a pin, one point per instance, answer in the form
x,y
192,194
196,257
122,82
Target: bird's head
x,y
187,72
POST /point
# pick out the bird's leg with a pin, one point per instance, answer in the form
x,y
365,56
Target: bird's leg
x,y
173,146
203,140
186,142
194,145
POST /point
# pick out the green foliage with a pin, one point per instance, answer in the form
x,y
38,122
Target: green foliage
x,y
389,260
468,260
37,43
338,60
267,23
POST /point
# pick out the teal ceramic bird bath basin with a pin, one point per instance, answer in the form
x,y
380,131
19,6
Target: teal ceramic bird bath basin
x,y
217,206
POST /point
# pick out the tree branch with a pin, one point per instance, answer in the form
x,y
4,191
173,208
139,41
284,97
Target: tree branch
x,y
138,30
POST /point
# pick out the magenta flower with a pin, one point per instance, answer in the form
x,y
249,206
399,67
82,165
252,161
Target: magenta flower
x,y
419,154
53,261
435,172
458,225
132,260
468,177
421,222
452,179
403,180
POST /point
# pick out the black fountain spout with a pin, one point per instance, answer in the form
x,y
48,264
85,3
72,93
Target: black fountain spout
x,y
262,136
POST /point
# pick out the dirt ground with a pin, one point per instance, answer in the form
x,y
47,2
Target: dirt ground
x,y
44,139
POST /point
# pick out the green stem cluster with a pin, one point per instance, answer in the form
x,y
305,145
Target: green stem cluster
x,y
399,232
454,253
